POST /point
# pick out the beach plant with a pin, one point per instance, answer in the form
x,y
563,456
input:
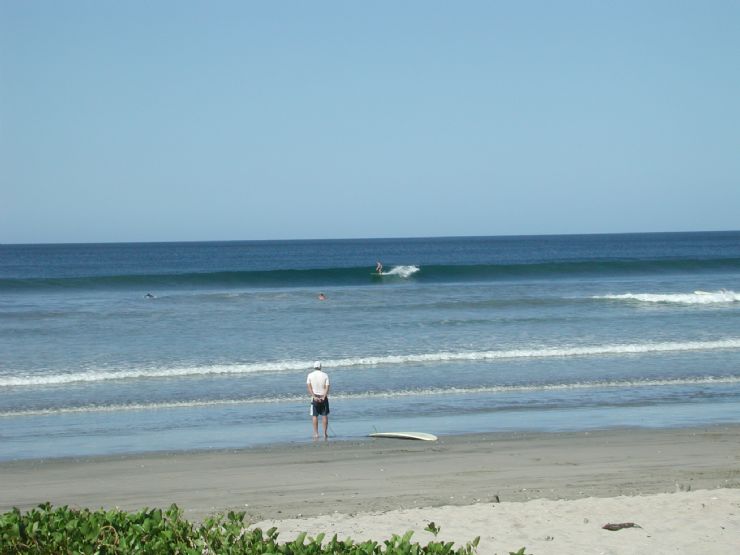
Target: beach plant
x,y
46,530
433,528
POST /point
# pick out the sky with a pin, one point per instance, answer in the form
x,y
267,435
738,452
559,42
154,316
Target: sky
x,y
189,120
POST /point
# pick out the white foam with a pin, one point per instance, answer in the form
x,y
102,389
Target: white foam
x,y
402,271
170,405
380,360
151,372
697,297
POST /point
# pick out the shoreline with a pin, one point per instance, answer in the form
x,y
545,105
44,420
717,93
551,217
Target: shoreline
x,y
305,480
358,442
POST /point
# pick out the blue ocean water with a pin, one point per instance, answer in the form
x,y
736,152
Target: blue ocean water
x,y
459,335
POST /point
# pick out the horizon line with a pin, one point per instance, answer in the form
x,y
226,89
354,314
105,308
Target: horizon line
x,y
389,238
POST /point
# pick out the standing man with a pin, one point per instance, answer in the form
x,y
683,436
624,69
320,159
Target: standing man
x,y
317,384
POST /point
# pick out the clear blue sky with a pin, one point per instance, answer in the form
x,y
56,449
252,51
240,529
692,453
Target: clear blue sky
x,y
185,120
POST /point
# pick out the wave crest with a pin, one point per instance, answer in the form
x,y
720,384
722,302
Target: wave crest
x,y
697,297
389,360
402,271
445,391
358,276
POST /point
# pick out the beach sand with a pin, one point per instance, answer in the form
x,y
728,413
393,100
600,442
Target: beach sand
x,y
698,522
556,489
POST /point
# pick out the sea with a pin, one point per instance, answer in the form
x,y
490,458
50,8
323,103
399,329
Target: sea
x,y
115,349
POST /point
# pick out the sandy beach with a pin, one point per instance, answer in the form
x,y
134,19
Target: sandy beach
x,y
705,521
555,489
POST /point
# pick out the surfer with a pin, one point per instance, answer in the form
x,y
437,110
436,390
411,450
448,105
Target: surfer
x,y
322,297
149,296
317,384
379,267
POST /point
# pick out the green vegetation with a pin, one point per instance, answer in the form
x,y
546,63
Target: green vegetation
x,y
61,530
433,528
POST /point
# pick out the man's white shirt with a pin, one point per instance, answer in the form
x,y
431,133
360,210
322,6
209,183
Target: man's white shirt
x,y
319,381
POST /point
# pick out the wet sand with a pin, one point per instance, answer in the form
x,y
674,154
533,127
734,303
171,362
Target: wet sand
x,y
379,475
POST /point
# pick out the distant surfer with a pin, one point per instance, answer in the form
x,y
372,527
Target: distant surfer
x,y
317,384
322,297
379,267
149,296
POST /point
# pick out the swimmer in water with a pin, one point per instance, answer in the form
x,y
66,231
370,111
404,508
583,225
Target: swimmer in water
x,y
322,297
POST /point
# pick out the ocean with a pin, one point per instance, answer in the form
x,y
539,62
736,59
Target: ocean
x,y
109,349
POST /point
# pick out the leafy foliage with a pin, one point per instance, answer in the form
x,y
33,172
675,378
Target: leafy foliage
x,y
433,528
51,531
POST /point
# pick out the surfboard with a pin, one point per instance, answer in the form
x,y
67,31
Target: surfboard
x,y
405,435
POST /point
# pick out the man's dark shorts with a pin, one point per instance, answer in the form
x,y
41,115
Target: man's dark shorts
x,y
320,408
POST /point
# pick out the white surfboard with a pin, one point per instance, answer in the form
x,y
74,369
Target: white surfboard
x,y
406,435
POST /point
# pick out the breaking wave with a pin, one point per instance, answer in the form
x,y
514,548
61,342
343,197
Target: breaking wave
x,y
402,271
349,276
169,405
697,297
384,360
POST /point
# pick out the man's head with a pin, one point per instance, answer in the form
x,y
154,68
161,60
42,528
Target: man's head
x,y
317,365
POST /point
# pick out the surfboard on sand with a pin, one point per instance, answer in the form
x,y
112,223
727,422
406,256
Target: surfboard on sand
x,y
406,435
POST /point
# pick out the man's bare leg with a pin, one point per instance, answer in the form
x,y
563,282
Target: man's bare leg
x,y
315,421
326,427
